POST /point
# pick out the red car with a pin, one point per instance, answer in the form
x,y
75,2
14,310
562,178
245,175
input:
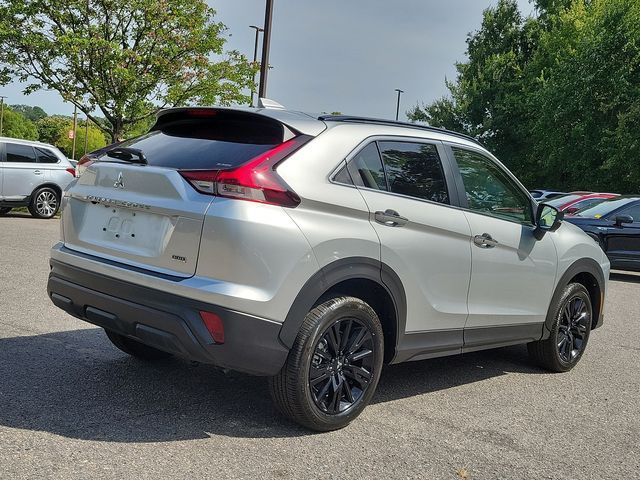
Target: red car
x,y
575,201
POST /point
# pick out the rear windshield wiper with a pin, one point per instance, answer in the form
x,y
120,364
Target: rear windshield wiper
x,y
127,154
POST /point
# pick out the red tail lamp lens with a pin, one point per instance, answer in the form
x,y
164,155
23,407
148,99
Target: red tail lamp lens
x,y
214,324
256,180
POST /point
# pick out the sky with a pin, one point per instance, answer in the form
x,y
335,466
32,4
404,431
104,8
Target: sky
x,y
342,55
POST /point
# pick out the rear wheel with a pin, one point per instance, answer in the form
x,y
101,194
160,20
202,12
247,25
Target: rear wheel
x,y
334,366
134,348
570,332
44,203
4,210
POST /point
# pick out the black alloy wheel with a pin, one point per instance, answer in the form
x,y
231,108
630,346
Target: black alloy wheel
x,y
573,324
569,321
333,367
342,364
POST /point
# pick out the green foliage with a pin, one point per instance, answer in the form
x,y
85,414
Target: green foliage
x,y
55,130
556,97
16,125
125,59
32,113
49,128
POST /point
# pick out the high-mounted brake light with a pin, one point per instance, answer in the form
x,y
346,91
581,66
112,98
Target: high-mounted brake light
x,y
256,180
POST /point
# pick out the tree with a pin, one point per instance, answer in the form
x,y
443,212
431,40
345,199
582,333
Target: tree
x,y
95,139
32,113
55,130
125,59
16,125
556,97
49,128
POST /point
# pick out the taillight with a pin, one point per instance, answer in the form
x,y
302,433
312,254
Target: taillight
x,y
83,164
256,180
71,170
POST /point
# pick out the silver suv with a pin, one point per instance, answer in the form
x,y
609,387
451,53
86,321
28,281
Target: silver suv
x,y
33,175
313,250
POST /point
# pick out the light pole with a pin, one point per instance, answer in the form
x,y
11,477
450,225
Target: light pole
x,y
1,113
255,58
398,102
266,42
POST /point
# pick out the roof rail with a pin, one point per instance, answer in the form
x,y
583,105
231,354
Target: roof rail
x,y
392,123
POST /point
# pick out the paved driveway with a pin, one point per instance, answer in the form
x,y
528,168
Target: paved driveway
x,y
72,406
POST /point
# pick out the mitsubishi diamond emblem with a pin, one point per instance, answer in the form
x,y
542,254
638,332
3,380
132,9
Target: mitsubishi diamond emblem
x,y
119,182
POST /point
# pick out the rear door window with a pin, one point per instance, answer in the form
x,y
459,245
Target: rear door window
x,y
414,169
18,153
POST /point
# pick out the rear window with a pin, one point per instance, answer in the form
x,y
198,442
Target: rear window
x,y
222,141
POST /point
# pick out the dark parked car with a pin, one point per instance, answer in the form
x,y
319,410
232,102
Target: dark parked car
x,y
615,224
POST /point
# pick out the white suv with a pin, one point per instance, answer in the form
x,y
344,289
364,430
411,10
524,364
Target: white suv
x,y
313,250
33,175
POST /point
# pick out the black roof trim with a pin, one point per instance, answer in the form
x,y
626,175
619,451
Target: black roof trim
x,y
392,123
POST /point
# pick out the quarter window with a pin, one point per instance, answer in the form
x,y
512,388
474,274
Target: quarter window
x,y
45,156
414,169
20,153
489,190
366,168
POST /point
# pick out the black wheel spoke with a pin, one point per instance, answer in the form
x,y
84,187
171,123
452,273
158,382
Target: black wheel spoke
x,y
321,375
357,356
345,335
358,339
334,339
347,390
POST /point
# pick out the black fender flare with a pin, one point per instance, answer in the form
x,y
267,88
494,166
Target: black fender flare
x,y
331,275
583,265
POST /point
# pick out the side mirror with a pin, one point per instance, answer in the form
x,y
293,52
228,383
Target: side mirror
x,y
620,219
548,219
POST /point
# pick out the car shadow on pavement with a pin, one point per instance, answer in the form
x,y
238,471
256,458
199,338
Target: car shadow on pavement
x,y
75,384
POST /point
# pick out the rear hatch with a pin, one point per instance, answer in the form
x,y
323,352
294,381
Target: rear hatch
x,y
135,205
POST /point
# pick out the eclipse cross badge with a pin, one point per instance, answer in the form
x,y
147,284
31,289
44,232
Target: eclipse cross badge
x,y
119,182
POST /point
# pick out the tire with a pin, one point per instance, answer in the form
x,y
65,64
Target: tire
x,y
572,316
134,348
341,343
4,210
45,203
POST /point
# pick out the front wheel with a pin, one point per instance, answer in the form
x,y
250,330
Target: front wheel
x,y
44,203
334,366
572,318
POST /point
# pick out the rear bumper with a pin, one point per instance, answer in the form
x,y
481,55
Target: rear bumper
x,y
167,322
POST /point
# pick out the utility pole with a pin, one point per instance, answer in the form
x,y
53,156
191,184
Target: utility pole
x,y
1,113
75,128
86,134
398,102
255,59
266,43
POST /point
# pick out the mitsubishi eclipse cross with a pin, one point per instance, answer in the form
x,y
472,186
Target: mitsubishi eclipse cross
x,y
315,249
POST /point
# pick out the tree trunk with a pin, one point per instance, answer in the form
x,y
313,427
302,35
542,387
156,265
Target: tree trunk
x,y
117,131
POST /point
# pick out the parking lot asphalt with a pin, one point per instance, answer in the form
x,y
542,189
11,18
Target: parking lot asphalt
x,y
73,406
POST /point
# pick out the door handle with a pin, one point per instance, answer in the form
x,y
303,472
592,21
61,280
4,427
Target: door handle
x,y
485,241
390,218
37,172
